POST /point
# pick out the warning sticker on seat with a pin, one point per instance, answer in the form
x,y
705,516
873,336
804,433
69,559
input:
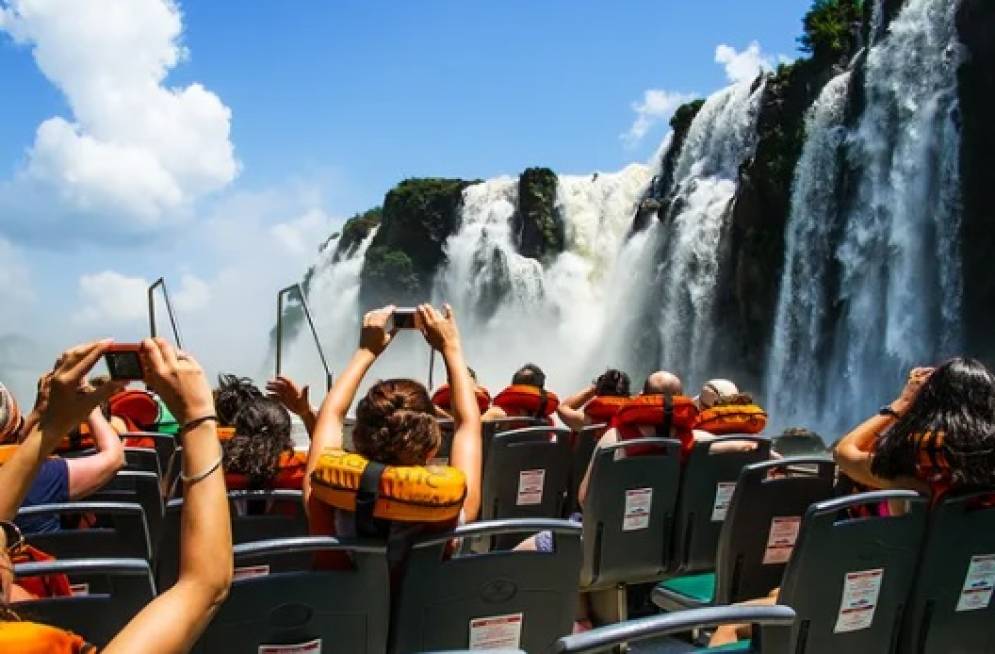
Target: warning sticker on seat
x,y
781,539
860,599
310,647
250,571
496,632
978,584
530,487
79,589
638,502
723,493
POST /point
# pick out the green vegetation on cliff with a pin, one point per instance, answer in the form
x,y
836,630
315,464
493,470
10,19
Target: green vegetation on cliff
x,y
355,230
830,28
538,228
418,216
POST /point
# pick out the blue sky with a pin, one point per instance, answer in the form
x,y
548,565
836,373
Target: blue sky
x,y
297,115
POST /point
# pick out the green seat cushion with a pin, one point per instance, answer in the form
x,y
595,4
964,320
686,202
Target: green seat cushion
x,y
700,587
738,646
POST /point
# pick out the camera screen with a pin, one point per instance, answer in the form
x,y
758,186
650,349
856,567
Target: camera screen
x,y
404,319
124,365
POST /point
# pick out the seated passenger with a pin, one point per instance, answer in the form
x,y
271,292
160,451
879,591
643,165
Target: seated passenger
x,y
231,395
597,403
261,453
295,399
61,480
660,383
395,420
527,397
442,398
175,619
938,435
715,395
798,441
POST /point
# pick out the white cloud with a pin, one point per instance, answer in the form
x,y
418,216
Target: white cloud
x,y
15,280
133,148
193,294
302,235
657,105
743,66
110,297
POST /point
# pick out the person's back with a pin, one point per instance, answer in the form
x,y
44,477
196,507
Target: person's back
x,y
597,403
526,397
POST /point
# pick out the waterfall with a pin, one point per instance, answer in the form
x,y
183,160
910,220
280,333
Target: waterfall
x,y
800,328
518,309
898,256
722,136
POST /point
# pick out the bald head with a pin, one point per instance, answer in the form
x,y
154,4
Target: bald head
x,y
662,382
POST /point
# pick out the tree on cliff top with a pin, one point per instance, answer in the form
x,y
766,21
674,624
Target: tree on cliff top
x,y
830,26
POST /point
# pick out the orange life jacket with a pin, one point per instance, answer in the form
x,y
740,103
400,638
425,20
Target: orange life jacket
x,y
34,638
663,412
442,399
604,408
137,408
527,401
732,419
290,474
55,585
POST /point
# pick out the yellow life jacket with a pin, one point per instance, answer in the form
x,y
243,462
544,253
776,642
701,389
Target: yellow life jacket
x,y
405,493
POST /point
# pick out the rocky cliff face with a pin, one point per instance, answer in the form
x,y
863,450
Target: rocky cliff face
x,y
418,216
537,227
976,78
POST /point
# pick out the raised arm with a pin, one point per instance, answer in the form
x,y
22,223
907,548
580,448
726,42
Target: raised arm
x,y
88,474
373,339
855,451
296,400
441,333
174,620
65,402
571,409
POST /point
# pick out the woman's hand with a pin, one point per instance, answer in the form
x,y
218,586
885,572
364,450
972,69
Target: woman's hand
x,y
64,398
290,395
373,335
913,386
439,329
178,379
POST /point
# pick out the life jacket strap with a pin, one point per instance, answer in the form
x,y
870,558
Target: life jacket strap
x,y
366,498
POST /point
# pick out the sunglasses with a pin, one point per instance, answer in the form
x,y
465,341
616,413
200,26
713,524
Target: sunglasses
x,y
13,536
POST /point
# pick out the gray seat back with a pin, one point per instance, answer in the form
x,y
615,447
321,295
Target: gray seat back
x,y
849,578
629,513
116,590
493,427
141,488
282,517
347,610
121,531
526,476
582,444
165,446
604,639
142,459
447,603
950,609
707,483
762,524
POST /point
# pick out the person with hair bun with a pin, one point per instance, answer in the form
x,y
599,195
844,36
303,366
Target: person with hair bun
x,y
395,420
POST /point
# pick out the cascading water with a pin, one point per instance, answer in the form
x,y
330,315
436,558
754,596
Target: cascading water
x,y
900,277
516,307
801,329
722,136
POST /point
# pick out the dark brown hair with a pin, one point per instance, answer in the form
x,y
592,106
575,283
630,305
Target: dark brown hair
x,y
262,434
395,424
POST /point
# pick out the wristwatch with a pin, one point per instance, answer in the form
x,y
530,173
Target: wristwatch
x,y
886,410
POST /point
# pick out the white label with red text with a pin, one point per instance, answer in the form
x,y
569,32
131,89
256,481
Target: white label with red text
x,y
860,599
530,487
978,584
310,647
638,502
79,589
250,571
496,632
781,539
723,493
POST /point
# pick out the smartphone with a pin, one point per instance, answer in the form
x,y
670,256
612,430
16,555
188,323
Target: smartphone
x,y
405,318
123,361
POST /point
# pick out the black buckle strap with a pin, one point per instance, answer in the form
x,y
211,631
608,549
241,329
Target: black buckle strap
x,y
543,400
366,498
663,431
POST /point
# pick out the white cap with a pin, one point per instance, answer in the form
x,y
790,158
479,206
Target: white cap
x,y
714,389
